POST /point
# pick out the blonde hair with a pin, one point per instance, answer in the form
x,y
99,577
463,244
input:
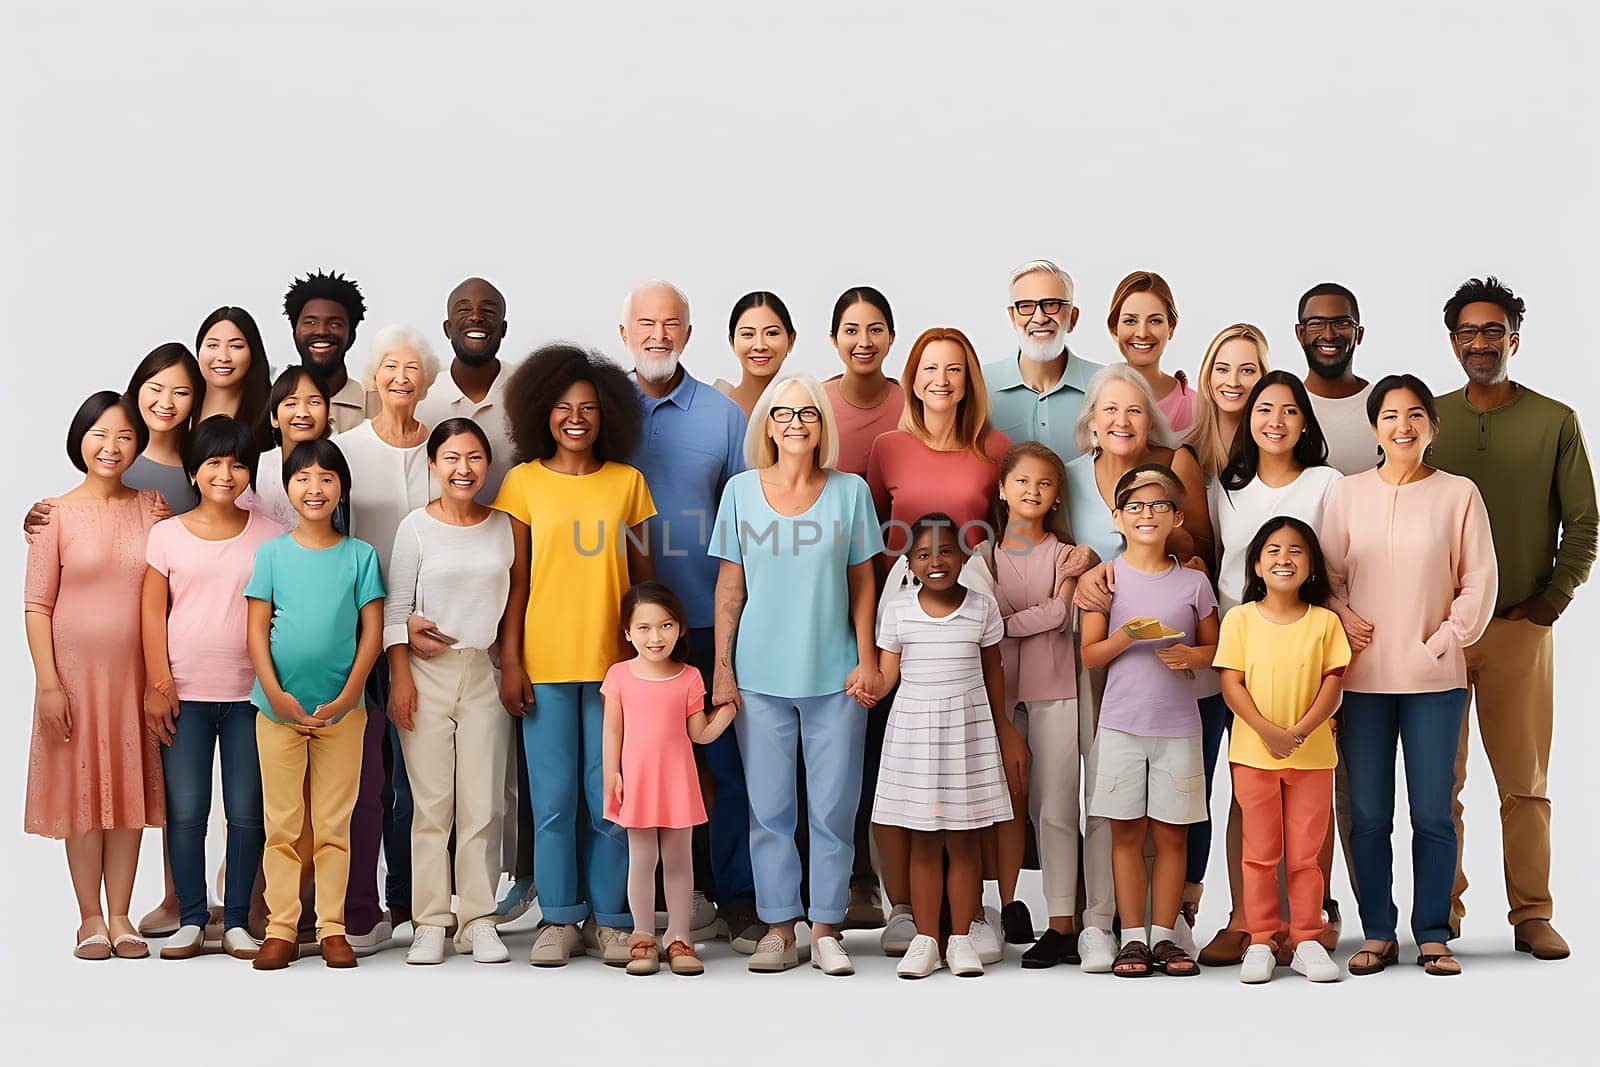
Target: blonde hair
x,y
759,451
1161,435
972,411
1205,436
395,337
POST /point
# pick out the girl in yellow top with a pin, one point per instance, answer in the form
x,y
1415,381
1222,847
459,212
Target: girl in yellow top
x,y
1282,656
578,519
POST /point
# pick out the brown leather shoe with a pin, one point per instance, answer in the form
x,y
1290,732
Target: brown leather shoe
x,y
275,954
1226,949
336,951
1539,939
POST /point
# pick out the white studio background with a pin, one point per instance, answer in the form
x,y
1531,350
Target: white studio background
x,y
171,157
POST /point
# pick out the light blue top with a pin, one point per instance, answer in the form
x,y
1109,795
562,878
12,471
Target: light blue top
x,y
691,441
316,596
1024,415
1088,511
795,635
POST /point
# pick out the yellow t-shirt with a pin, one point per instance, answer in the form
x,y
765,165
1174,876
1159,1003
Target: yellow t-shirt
x,y
1283,667
578,526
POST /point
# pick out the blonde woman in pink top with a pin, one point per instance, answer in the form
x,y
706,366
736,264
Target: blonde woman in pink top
x,y
1411,562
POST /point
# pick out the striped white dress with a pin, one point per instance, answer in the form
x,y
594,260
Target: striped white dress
x,y
941,762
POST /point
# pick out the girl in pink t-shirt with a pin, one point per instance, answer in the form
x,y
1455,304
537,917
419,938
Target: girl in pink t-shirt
x,y
655,713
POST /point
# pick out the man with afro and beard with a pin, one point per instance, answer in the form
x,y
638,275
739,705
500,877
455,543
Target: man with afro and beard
x,y
323,312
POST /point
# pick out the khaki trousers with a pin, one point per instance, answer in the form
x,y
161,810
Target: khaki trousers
x,y
456,759
308,773
1511,674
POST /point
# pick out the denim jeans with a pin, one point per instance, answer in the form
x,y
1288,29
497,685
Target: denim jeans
x,y
202,727
1426,727
1214,721
728,829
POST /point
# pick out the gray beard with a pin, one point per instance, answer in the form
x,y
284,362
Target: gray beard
x,y
1493,377
656,370
1041,351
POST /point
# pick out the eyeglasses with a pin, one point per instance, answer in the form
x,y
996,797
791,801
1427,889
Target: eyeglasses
x,y
786,415
1493,333
1342,324
1154,507
1051,308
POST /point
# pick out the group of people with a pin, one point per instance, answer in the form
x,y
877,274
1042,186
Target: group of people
x,y
771,650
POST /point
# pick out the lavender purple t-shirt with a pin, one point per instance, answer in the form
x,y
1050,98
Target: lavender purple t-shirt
x,y
1143,695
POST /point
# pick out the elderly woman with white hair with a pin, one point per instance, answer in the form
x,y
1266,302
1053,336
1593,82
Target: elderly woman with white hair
x,y
389,478
795,647
1119,427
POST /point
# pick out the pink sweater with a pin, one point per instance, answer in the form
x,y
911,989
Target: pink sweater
x,y
1037,648
1417,562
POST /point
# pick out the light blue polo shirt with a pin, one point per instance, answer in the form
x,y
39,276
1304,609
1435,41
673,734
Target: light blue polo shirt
x,y
691,441
1024,415
1088,512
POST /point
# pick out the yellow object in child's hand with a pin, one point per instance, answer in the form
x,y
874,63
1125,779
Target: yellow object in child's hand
x,y
1149,628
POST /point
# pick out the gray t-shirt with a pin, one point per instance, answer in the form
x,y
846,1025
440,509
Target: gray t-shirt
x,y
169,481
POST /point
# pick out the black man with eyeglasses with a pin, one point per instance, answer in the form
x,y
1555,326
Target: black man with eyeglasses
x,y
1328,327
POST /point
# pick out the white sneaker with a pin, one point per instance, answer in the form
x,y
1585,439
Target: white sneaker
x,y
1097,950
484,938
702,918
961,956
379,937
921,958
1183,937
985,938
899,932
555,945
829,957
188,942
1313,961
238,943
1258,965
427,945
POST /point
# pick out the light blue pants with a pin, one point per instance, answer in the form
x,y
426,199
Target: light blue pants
x,y
580,865
832,729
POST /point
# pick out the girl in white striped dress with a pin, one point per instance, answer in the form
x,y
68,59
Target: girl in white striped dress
x,y
943,771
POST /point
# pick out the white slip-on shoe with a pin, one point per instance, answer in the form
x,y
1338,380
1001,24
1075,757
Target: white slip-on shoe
x,y
374,940
1258,965
1183,937
1313,961
961,956
921,958
899,931
187,943
555,945
237,942
773,955
829,957
1097,950
427,945
484,937
985,938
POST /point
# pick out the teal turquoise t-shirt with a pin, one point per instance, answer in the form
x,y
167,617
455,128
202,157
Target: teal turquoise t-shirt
x,y
316,597
795,636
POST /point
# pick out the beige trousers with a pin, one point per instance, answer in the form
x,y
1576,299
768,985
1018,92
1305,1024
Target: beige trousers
x,y
1050,727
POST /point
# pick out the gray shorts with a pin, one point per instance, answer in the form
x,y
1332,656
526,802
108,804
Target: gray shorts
x,y
1163,778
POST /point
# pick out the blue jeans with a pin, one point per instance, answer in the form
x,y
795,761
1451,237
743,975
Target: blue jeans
x,y
580,867
186,763
1214,719
1427,728
729,815
832,729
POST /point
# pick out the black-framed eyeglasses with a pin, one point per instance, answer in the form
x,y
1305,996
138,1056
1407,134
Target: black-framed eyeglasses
x,y
1154,507
786,415
1494,333
1052,308
1342,324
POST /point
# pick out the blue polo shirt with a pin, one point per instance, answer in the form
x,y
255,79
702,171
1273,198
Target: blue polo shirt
x,y
1024,415
691,441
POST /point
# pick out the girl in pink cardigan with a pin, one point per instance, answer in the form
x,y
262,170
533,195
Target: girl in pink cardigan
x,y
1412,567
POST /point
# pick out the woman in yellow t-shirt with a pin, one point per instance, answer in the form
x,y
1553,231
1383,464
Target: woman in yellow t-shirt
x,y
578,514
1282,656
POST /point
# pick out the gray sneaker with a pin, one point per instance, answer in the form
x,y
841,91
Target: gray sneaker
x,y
703,924
555,945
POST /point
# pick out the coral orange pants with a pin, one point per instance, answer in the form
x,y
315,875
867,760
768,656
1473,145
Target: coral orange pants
x,y
1286,814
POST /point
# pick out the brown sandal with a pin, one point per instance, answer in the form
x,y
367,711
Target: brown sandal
x,y
1135,954
1389,955
682,959
1429,962
1167,955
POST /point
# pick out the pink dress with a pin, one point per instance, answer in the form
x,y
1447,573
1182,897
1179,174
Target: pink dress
x,y
1178,405
660,785
87,568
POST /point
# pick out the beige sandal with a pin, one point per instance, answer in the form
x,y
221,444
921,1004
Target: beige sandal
x,y
94,947
644,957
682,959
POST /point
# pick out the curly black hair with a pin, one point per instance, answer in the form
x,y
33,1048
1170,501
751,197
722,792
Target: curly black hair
x,y
320,286
552,369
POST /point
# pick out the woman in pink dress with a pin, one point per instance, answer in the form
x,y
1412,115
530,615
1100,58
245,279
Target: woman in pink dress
x,y
655,714
94,772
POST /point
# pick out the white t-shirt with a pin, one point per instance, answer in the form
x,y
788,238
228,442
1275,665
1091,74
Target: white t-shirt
x,y
458,576
1351,446
445,400
1237,515
386,484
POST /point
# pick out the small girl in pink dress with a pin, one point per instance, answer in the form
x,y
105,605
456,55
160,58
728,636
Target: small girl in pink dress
x,y
655,713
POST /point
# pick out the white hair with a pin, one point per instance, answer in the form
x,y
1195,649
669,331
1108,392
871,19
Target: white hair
x,y
1041,266
760,452
393,338
1161,434
654,283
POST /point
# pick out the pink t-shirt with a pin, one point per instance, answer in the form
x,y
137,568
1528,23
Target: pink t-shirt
x,y
1178,405
859,427
660,786
206,622
909,480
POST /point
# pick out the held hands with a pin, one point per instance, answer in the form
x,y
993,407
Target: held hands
x,y
402,702
1357,631
424,638
54,713
724,687
160,716
864,684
